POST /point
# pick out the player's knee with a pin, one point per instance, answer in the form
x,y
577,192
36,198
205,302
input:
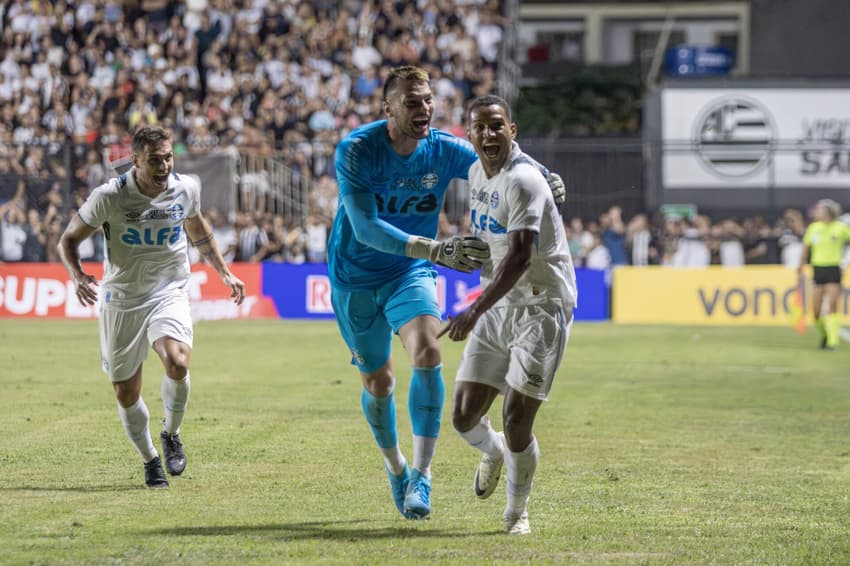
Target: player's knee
x,y
427,355
125,395
176,367
463,420
380,383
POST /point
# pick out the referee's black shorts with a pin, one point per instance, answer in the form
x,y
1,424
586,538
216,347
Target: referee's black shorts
x,y
827,274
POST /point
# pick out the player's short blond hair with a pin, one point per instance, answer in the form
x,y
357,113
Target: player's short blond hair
x,y
406,73
831,206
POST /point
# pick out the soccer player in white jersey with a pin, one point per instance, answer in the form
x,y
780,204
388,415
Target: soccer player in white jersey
x,y
520,324
146,215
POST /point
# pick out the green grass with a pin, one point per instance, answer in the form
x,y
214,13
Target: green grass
x,y
660,445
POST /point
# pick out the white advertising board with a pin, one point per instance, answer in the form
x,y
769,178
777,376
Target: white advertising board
x,y
755,137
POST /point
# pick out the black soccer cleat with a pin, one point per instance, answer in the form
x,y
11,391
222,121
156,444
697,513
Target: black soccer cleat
x,y
154,475
172,449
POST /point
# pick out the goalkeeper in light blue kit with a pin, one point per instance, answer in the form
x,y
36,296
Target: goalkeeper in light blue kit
x,y
392,177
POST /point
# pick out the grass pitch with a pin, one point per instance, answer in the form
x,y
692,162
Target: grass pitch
x,y
660,445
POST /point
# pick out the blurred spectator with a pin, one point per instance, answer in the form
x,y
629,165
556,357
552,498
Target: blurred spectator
x,y
614,235
13,234
692,247
274,248
672,230
367,84
224,234
580,240
761,245
10,180
364,56
640,241
791,228
730,248
252,238
598,256
295,244
316,239
200,140
324,199
36,237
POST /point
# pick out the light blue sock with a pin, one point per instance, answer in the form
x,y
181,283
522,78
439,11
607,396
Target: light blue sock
x,y
425,401
380,414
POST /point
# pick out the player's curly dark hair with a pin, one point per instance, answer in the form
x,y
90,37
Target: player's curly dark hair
x,y
147,136
488,100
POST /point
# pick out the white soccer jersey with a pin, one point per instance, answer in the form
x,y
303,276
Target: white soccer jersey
x,y
518,198
146,255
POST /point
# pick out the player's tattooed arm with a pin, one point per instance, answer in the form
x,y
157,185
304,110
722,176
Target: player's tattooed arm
x,y
204,244
209,251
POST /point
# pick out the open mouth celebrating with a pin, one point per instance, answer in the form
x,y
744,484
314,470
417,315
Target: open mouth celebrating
x,y
421,124
491,150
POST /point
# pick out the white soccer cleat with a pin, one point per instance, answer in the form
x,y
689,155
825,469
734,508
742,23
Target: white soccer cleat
x,y
488,471
517,524
487,476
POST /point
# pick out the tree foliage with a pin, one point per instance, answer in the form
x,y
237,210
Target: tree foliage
x,y
584,101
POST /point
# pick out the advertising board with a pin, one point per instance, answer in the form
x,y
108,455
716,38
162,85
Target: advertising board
x,y
752,295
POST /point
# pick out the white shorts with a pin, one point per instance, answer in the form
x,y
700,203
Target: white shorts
x,y
517,346
127,335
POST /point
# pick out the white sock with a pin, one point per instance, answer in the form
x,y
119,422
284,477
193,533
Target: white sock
x,y
394,459
175,397
423,452
135,420
520,471
483,437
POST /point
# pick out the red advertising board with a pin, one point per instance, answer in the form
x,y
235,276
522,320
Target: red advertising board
x,y
44,290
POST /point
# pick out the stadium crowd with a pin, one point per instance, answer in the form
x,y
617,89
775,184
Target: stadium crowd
x,y
686,240
282,79
273,78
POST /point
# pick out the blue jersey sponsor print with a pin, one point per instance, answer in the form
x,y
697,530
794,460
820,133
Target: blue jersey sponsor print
x,y
408,192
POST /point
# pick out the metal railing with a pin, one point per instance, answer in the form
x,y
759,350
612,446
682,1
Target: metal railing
x,y
508,69
266,184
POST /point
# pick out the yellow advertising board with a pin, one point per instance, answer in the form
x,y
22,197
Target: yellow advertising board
x,y
752,295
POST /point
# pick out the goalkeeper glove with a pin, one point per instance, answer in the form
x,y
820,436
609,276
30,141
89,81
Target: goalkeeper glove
x,y
462,254
556,185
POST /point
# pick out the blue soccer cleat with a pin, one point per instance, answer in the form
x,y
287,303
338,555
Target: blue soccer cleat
x,y
417,502
398,484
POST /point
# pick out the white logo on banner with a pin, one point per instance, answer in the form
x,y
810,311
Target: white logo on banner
x,y
733,136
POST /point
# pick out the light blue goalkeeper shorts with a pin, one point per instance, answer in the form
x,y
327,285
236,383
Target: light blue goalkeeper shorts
x,y
368,318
